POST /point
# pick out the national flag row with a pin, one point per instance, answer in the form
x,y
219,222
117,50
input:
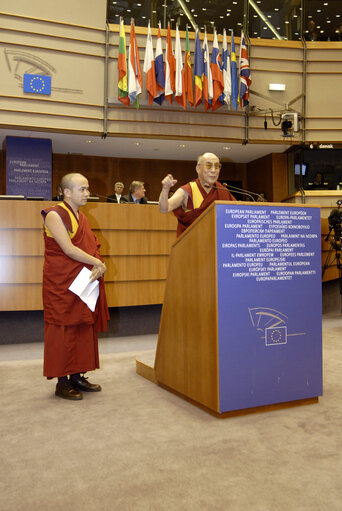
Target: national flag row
x,y
218,79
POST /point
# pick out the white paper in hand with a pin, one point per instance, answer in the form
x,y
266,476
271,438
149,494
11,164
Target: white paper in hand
x,y
87,291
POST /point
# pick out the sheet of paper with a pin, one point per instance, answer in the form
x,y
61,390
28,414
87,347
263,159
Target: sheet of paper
x,y
87,291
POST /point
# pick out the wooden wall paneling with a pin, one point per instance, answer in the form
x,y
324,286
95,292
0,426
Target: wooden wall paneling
x,y
280,182
133,242
123,294
22,241
21,297
102,172
136,241
259,176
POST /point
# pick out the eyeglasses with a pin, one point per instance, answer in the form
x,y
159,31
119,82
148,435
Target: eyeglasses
x,y
209,165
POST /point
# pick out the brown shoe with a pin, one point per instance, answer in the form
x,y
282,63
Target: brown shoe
x,y
82,383
67,391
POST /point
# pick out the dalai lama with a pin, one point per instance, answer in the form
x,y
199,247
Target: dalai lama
x,y
190,200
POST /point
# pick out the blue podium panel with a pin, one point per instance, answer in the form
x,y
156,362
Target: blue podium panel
x,y
29,167
270,304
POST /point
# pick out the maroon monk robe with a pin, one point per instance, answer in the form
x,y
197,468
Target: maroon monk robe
x,y
71,328
186,218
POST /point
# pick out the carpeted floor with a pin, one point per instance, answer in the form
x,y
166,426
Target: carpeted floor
x,y
136,447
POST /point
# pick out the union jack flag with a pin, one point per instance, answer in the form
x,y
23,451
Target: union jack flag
x,y
245,73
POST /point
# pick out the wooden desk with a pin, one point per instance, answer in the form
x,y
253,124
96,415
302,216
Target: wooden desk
x,y
135,239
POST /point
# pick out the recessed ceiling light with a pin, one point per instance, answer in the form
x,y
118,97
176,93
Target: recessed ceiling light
x,y
89,141
226,147
136,143
182,145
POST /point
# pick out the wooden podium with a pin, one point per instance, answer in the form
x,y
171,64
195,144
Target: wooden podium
x,y
201,353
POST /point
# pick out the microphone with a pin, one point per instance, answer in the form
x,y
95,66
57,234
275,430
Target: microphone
x,y
233,189
246,192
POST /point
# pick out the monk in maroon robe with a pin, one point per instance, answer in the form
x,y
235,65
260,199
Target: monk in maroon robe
x,y
70,326
190,200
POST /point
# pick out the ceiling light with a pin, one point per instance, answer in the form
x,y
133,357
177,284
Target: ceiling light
x,y
89,141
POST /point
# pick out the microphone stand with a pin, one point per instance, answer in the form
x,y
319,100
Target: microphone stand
x,y
237,190
246,192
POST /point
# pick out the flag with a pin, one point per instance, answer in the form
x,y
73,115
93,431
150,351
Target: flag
x,y
245,73
187,71
216,71
227,83
134,70
233,70
122,67
160,72
37,84
170,67
198,72
207,78
149,69
179,79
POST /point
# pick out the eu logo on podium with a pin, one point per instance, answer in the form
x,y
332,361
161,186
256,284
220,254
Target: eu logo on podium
x,y
275,335
37,84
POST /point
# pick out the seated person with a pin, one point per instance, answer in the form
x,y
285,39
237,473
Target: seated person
x,y
117,197
262,197
59,194
318,183
136,193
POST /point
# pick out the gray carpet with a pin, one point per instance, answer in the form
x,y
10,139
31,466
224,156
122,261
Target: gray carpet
x,y
135,446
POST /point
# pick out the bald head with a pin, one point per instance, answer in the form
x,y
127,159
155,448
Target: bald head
x,y
206,156
69,180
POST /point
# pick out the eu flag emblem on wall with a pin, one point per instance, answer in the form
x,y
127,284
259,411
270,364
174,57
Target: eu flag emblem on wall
x,y
275,335
37,84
